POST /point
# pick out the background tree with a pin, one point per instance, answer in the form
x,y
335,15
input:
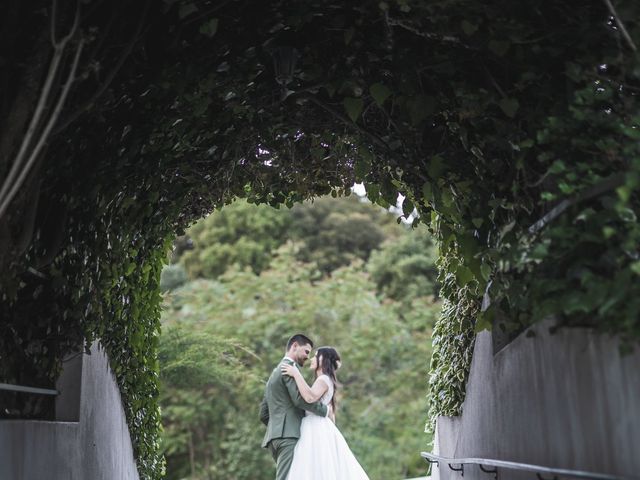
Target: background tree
x,y
336,232
172,277
405,268
241,233
207,383
329,232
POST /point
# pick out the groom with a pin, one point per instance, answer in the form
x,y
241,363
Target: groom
x,y
282,407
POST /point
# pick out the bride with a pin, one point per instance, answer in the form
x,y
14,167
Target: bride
x,y
321,452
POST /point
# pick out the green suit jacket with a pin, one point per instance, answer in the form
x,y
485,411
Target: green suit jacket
x,y
282,407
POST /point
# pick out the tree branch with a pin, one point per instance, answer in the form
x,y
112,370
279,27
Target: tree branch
x,y
607,184
446,39
29,220
35,122
208,11
102,88
621,26
374,138
493,81
17,166
4,203
76,19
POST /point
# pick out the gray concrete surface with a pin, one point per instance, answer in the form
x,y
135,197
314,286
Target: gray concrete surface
x,y
96,447
567,400
69,386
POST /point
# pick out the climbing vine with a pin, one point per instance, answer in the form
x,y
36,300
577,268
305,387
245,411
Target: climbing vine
x,y
453,340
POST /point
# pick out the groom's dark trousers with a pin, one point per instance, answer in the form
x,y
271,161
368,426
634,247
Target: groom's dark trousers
x,y
282,451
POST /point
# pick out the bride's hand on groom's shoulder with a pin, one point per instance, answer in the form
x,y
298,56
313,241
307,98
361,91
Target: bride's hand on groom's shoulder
x,y
288,370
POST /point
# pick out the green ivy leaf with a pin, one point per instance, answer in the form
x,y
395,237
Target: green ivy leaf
x,y
506,229
427,193
186,10
485,270
608,232
330,89
209,28
436,167
624,193
353,107
463,275
348,35
380,93
484,320
420,108
362,165
499,47
509,106
407,207
468,28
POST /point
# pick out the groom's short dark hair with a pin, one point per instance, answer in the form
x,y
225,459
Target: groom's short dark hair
x,y
300,339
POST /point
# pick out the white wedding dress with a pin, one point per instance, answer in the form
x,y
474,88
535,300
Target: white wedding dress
x,y
322,452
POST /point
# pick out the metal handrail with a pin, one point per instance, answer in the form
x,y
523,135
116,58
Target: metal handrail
x,y
538,469
22,388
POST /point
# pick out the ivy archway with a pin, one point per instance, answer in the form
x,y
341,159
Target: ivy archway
x,y
512,128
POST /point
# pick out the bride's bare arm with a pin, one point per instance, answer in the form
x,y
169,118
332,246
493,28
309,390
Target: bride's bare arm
x,y
310,394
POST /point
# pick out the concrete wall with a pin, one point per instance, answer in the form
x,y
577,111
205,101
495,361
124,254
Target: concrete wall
x,y
567,400
96,447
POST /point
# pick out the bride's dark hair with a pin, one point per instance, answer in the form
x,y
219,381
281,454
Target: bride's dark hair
x,y
330,363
